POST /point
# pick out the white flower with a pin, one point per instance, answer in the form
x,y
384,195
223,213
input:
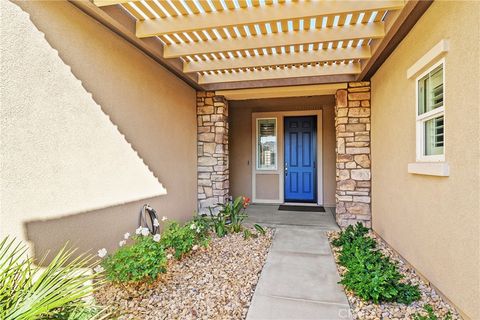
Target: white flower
x,y
169,256
102,252
193,226
198,229
195,247
122,243
156,238
164,218
145,232
98,269
155,222
139,230
126,236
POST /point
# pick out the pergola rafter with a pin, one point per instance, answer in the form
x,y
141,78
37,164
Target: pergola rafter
x,y
279,59
280,72
257,42
258,15
345,33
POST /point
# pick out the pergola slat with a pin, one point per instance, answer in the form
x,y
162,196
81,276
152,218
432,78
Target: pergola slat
x,y
253,15
372,31
278,73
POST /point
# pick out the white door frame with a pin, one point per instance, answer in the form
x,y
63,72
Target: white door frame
x,y
280,115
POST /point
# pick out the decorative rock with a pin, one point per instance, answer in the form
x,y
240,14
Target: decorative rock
x,y
358,150
205,110
206,137
346,185
363,160
359,96
357,208
359,89
360,174
359,84
344,174
359,112
207,161
341,99
206,284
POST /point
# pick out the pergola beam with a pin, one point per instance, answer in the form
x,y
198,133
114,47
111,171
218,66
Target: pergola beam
x,y
103,3
254,15
281,73
351,32
279,59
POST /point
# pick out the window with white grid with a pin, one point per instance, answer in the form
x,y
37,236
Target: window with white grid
x,y
431,114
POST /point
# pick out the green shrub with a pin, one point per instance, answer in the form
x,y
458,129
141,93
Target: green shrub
x,y
57,291
349,234
259,229
219,223
430,315
370,274
182,239
234,210
230,216
143,260
203,228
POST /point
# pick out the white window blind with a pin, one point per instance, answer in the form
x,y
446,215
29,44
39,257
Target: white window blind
x,y
431,114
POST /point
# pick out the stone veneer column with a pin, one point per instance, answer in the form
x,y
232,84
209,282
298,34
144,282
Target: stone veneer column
x,y
352,126
212,150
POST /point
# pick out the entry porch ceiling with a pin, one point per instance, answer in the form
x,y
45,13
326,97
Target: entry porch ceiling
x,y
228,44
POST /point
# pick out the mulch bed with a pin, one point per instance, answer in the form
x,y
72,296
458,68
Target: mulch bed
x,y
368,310
213,283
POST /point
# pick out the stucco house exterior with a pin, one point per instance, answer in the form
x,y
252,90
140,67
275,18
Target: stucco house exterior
x,y
109,104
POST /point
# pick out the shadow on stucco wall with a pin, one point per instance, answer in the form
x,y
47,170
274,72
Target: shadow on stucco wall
x,y
88,231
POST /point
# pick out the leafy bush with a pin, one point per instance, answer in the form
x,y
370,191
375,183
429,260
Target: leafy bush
x,y
230,217
349,234
55,292
430,315
259,229
219,223
143,260
203,228
182,239
370,274
234,210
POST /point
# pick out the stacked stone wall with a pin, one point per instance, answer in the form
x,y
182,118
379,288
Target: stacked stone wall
x,y
212,145
353,175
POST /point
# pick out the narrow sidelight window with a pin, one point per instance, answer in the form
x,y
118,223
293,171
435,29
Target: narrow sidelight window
x,y
431,114
267,144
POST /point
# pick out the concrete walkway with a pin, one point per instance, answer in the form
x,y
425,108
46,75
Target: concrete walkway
x,y
299,279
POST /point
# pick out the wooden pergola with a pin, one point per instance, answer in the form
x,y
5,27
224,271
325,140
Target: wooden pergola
x,y
232,44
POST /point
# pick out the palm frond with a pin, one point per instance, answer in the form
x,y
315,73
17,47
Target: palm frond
x,y
29,292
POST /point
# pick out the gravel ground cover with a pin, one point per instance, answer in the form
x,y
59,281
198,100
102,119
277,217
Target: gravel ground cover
x,y
211,283
368,310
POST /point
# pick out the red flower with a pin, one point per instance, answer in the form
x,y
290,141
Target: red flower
x,y
246,202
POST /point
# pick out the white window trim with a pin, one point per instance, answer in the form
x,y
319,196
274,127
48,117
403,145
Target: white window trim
x,y
256,145
440,169
421,119
437,50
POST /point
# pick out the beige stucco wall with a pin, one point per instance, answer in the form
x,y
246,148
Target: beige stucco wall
x,y
434,222
154,110
241,139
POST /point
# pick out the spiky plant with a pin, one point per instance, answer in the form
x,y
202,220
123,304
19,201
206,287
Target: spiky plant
x,y
58,291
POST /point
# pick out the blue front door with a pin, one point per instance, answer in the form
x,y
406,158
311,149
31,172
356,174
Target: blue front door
x,y
300,159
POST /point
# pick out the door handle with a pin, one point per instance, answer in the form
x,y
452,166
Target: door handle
x,y
286,169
